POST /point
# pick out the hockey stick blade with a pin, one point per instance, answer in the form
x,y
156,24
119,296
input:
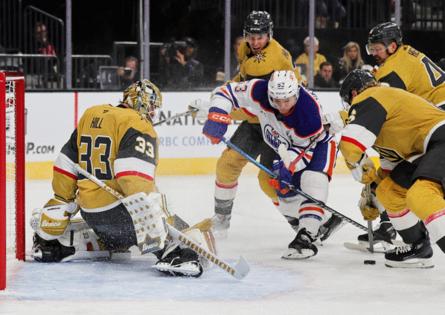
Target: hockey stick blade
x,y
239,271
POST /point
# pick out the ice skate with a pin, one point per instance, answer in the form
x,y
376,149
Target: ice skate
x,y
417,255
330,227
180,262
301,247
385,233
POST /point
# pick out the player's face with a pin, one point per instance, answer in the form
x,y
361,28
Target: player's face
x,y
257,41
378,51
285,105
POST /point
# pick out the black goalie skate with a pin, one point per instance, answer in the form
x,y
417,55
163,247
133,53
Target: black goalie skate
x,y
180,262
301,247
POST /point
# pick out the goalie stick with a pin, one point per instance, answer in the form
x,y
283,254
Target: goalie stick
x,y
299,191
239,270
188,112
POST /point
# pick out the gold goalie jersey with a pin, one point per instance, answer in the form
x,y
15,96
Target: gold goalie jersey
x,y
116,145
394,122
260,66
411,70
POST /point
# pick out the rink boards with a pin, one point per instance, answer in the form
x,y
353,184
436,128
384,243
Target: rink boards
x,y
51,118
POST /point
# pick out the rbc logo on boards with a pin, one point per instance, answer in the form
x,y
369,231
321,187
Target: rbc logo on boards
x,y
273,137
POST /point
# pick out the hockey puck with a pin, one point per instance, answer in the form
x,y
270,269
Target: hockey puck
x,y
369,262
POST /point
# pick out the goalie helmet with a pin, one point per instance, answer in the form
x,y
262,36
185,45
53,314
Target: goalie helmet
x,y
282,85
385,33
258,22
356,80
144,97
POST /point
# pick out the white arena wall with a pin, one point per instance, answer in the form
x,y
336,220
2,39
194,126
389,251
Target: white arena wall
x,y
52,116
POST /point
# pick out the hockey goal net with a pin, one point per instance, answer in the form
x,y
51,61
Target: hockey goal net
x,y
12,174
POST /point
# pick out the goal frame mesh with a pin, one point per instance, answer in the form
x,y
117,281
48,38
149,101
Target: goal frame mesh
x,y
19,106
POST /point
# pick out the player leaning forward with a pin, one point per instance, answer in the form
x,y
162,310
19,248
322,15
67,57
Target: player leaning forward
x,y
408,132
119,146
291,124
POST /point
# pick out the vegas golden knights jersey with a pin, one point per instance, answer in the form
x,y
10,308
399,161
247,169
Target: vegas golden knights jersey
x,y
394,122
411,70
116,145
260,66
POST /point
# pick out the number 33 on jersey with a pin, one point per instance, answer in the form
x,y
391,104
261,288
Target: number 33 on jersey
x,y
117,146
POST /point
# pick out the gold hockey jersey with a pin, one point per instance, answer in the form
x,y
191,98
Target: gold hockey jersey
x,y
397,124
260,66
116,145
411,70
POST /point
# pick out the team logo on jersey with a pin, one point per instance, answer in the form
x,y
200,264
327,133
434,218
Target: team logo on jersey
x,y
273,137
259,57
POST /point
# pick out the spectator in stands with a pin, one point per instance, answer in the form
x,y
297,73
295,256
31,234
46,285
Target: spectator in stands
x,y
129,73
179,67
324,78
328,13
351,60
302,60
43,46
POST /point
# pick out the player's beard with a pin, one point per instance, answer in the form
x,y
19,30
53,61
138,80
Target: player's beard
x,y
379,60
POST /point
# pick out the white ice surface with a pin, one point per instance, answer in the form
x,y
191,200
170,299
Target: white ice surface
x,y
334,282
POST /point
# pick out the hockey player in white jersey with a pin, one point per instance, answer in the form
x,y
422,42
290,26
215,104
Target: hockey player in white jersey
x,y
291,123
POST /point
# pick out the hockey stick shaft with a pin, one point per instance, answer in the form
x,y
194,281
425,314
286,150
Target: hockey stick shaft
x,y
239,271
292,187
188,112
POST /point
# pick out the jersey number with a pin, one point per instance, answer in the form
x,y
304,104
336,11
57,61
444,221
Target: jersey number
x,y
101,146
145,147
436,74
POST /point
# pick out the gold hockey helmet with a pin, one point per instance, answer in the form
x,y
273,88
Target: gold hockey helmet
x,y
144,97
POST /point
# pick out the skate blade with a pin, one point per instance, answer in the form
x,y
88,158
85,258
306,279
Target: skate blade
x,y
419,263
186,269
293,254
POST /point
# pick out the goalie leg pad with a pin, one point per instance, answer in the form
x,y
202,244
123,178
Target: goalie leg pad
x,y
148,219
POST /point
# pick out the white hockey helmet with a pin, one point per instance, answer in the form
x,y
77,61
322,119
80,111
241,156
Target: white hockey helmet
x,y
282,85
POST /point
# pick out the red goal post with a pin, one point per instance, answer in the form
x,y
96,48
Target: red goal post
x,y
12,163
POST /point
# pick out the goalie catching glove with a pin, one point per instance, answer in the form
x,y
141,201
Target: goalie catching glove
x,y
216,125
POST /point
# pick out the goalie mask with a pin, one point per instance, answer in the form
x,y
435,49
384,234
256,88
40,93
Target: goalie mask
x,y
145,98
282,85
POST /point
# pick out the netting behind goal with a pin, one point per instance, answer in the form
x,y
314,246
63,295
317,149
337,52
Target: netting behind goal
x,y
12,174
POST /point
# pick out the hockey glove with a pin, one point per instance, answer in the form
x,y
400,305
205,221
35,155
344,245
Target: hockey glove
x,y
367,204
284,176
335,120
216,125
364,171
199,108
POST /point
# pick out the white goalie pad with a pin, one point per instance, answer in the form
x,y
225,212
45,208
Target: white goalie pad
x,y
148,220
